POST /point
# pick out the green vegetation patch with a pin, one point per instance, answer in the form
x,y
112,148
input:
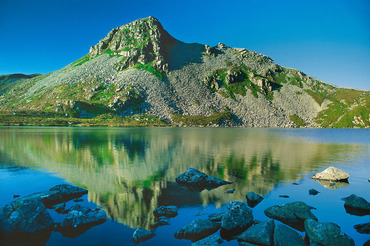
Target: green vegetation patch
x,y
297,120
42,118
81,61
201,120
343,114
319,97
149,67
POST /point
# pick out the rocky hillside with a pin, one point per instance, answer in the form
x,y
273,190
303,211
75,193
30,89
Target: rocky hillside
x,y
140,75
7,81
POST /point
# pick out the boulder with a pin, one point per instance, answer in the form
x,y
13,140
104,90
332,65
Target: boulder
x,y
321,233
356,205
284,236
216,217
213,240
80,219
198,229
253,199
198,180
57,194
260,234
141,235
292,214
236,219
25,219
168,211
313,192
363,228
27,216
332,173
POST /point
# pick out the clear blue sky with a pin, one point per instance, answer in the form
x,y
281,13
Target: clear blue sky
x,y
327,39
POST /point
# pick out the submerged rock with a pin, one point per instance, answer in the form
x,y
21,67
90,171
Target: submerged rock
x,y
57,194
331,173
363,228
284,196
292,214
284,236
213,240
25,219
326,234
236,219
161,221
198,229
168,211
198,180
80,219
230,191
253,199
141,235
260,234
313,192
356,205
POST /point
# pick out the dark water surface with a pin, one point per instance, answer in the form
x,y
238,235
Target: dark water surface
x,y
131,171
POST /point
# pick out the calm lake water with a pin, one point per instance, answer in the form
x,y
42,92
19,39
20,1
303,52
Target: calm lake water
x,y
131,171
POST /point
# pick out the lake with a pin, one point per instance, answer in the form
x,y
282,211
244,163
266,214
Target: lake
x,y
131,171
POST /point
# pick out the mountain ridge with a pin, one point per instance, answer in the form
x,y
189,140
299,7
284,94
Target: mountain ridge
x,y
139,71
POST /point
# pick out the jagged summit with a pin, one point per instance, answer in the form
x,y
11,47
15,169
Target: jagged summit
x,y
141,41
140,73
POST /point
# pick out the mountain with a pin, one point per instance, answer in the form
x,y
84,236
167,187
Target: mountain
x,y
140,75
8,80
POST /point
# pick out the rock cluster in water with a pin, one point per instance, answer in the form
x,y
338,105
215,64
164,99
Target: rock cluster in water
x,y
27,217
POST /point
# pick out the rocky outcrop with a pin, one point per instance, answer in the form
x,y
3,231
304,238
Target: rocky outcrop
x,y
57,194
260,234
356,205
80,219
141,41
234,76
167,211
332,173
237,218
284,236
253,199
141,235
320,233
211,51
198,229
293,214
198,180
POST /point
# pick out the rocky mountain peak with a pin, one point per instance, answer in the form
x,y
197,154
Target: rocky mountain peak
x,y
141,41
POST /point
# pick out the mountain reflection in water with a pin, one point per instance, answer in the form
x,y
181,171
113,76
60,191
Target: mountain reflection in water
x,y
131,171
